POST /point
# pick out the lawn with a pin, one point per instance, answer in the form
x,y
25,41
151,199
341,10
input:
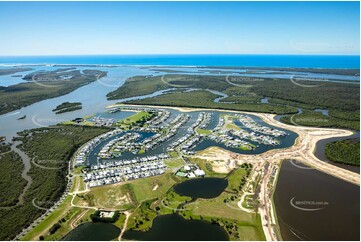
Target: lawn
x,y
144,188
115,196
204,131
206,166
43,227
174,163
139,117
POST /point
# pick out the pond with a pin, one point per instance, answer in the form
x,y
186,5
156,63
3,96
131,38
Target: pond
x,y
201,187
173,227
93,232
312,205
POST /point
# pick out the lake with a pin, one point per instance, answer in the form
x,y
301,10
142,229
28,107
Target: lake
x,y
312,205
173,227
93,232
201,187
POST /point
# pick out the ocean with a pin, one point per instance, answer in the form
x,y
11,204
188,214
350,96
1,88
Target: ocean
x,y
295,61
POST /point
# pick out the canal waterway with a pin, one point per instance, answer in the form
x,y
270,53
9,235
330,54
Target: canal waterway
x,y
320,151
312,205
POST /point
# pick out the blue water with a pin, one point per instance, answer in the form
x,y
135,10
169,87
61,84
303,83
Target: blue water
x,y
309,61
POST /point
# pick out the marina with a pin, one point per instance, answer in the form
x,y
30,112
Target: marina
x,y
126,153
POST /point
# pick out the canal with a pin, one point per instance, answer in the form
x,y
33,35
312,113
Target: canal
x,y
312,205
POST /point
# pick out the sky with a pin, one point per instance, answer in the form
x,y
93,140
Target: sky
x,y
85,28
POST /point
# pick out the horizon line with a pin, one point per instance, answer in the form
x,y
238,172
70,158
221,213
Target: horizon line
x,y
179,54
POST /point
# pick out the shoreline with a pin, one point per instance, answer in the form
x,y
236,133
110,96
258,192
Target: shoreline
x,y
50,63
316,134
274,157
303,150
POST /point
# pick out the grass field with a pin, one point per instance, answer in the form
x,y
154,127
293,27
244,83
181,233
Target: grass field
x,y
174,163
203,131
139,117
144,188
116,196
239,224
206,166
46,224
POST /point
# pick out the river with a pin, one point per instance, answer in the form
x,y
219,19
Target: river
x,y
93,99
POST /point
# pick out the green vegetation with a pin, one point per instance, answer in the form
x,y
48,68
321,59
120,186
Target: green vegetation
x,y
55,75
317,119
153,187
67,107
203,131
204,99
239,224
23,94
174,163
95,217
118,196
14,70
243,99
136,86
137,119
64,216
206,166
344,151
11,167
49,147
54,228
285,96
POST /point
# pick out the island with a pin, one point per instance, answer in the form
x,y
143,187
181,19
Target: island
x,y
45,85
174,153
9,71
67,107
145,192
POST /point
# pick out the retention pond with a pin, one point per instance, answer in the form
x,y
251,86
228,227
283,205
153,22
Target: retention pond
x,y
201,187
93,232
173,227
